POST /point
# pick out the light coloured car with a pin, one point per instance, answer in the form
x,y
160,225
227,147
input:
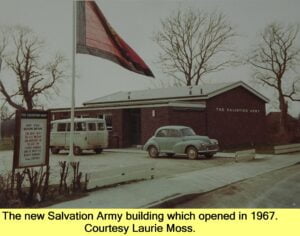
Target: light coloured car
x,y
180,140
89,134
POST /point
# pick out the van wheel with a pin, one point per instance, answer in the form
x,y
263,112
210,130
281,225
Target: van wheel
x,y
77,150
98,150
192,153
153,152
54,150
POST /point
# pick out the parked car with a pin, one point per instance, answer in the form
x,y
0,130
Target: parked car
x,y
89,134
180,140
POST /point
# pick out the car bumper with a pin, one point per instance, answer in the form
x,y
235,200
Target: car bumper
x,y
209,149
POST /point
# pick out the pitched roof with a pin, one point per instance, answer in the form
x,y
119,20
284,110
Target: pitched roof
x,y
202,91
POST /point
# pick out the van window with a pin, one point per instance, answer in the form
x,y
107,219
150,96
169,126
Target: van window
x,y
100,126
108,120
92,126
61,127
80,126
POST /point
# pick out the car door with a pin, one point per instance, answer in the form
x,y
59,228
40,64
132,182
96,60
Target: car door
x,y
161,139
174,137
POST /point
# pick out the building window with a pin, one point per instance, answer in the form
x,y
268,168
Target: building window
x,y
108,120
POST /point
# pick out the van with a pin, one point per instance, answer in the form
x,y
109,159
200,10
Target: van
x,y
89,134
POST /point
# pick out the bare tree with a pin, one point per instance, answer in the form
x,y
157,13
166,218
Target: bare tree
x,y
275,60
5,114
194,44
21,51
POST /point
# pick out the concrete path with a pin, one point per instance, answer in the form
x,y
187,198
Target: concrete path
x,y
153,192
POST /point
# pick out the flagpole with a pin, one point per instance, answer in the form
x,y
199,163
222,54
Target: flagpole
x,y
1,105
71,154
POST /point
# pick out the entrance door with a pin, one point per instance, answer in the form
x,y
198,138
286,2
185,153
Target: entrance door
x,y
134,126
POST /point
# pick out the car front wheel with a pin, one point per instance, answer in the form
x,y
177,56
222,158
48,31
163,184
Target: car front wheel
x,y
153,152
192,153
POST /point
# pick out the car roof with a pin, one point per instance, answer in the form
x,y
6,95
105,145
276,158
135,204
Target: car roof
x,y
173,127
78,120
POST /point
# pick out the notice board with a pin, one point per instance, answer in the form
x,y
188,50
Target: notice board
x,y
32,139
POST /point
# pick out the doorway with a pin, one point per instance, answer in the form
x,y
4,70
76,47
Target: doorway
x,y
134,126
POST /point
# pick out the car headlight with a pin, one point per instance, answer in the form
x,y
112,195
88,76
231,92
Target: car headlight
x,y
214,141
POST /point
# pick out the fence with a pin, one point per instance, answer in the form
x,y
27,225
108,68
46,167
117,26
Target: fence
x,y
245,155
121,175
287,148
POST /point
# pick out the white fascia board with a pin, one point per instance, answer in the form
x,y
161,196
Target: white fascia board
x,y
201,105
187,105
145,102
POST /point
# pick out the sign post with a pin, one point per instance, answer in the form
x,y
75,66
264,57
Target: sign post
x,y
32,138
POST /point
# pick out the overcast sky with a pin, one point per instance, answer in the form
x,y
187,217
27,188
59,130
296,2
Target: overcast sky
x,y
135,21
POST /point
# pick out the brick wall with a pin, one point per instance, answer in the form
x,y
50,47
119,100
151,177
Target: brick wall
x,y
192,118
149,123
236,118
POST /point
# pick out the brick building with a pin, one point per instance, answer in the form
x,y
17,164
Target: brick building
x,y
233,113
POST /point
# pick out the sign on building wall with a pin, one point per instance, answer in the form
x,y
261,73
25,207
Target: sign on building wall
x,y
237,110
31,139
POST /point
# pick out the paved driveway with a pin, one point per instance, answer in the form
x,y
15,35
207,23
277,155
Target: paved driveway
x,y
90,162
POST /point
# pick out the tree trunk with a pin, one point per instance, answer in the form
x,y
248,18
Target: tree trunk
x,y
283,106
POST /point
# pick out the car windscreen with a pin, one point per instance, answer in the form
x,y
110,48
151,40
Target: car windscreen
x,y
187,132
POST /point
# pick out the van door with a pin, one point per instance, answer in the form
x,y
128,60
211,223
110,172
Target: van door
x,y
59,136
80,135
92,135
97,134
103,134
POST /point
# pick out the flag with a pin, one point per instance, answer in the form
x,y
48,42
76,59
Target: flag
x,y
96,37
